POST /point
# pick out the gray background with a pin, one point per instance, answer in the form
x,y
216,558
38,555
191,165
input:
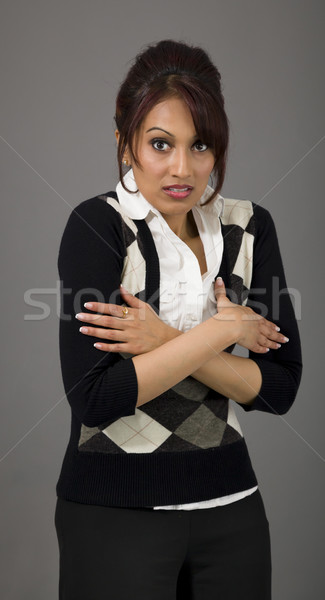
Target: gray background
x,y
62,63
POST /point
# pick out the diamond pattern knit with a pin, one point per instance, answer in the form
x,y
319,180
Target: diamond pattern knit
x,y
190,415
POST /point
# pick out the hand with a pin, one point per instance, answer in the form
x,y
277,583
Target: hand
x,y
138,332
255,332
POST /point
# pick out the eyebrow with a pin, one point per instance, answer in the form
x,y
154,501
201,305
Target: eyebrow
x,y
160,129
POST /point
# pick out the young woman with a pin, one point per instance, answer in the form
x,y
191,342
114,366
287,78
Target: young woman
x,y
157,497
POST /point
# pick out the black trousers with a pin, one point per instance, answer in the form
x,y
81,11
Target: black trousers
x,y
220,553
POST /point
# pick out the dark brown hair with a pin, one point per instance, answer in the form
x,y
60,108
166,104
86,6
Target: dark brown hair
x,y
167,69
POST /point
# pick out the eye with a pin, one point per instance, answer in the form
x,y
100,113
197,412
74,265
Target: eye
x,y
199,146
159,145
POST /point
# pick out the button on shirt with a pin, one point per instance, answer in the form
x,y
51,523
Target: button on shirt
x,y
186,297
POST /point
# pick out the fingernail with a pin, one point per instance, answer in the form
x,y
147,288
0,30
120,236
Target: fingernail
x,y
219,281
88,305
277,328
83,329
285,339
278,345
97,345
78,316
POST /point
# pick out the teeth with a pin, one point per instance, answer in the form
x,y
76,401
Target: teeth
x,y
178,189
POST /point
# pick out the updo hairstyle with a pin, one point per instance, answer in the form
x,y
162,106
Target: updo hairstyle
x,y
174,69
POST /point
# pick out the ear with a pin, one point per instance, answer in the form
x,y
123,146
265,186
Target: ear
x,y
126,159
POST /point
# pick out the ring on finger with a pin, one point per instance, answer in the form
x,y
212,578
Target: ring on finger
x,y
125,312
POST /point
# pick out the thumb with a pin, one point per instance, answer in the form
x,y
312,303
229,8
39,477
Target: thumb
x,y
129,298
219,290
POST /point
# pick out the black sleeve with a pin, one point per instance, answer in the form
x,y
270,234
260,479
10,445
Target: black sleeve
x,y
281,369
100,386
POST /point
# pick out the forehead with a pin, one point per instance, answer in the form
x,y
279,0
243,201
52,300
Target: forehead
x,y
171,114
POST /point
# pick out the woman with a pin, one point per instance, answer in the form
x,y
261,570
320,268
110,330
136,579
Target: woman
x,y
157,497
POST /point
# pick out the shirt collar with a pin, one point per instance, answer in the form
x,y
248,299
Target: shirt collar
x,y
135,205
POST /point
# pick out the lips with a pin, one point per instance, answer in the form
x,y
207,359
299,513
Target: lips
x,y
178,191
178,187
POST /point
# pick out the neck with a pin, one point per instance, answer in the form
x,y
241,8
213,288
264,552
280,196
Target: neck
x,y
183,226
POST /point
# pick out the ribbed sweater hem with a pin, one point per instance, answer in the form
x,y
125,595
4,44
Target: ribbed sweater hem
x,y
145,480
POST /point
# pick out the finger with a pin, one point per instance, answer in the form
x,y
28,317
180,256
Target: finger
x,y
105,308
220,293
271,333
104,334
102,320
260,349
111,347
267,343
130,298
220,290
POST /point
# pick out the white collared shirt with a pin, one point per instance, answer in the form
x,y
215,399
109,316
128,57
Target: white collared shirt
x,y
186,297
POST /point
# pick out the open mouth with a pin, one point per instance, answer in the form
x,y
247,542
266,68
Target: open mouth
x,y
178,191
173,189
178,188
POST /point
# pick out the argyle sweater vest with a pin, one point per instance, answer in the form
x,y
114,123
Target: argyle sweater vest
x,y
186,445
189,416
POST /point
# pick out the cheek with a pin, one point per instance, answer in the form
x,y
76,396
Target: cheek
x,y
153,167
209,167
203,161
205,168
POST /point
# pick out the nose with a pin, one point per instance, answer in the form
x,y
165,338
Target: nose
x,y
180,165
